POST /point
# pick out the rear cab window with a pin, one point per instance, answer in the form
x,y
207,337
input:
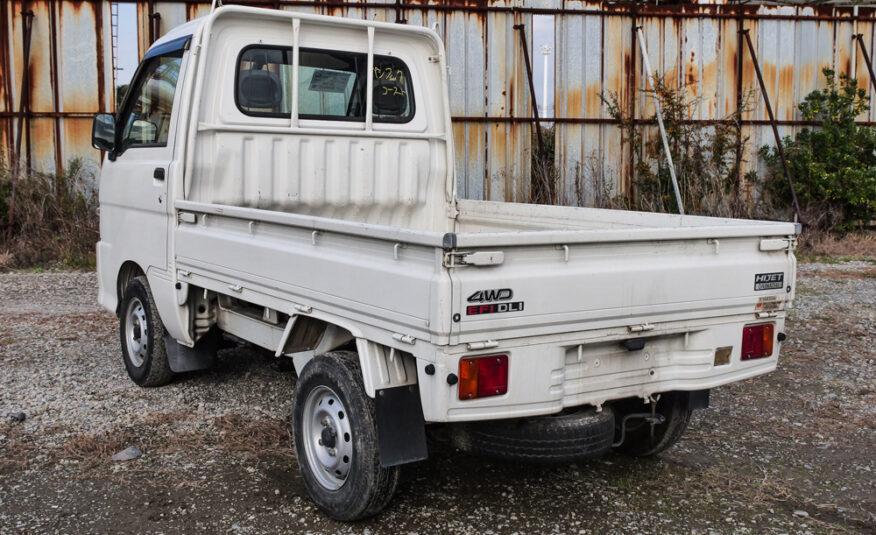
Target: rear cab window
x,y
332,85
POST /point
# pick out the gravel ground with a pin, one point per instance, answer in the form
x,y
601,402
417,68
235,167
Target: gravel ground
x,y
791,452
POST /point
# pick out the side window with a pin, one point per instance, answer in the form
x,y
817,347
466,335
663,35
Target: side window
x,y
146,118
331,85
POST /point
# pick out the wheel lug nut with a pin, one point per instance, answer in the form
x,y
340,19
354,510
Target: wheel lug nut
x,y
325,422
333,452
320,442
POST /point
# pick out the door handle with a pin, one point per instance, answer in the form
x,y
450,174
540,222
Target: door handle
x,y
158,174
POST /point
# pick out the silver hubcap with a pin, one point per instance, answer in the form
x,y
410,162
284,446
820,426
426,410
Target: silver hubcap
x,y
136,332
328,441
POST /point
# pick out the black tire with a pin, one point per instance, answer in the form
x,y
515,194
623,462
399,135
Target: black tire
x,y
638,442
566,437
367,487
144,353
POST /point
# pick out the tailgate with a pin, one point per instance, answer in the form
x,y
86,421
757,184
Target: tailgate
x,y
538,289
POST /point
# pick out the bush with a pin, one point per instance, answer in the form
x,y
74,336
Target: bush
x,y
55,218
705,158
833,167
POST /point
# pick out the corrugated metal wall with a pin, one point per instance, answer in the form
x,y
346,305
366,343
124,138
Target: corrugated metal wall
x,y
694,47
70,79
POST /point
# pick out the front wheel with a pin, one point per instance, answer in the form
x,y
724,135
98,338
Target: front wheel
x,y
335,434
142,336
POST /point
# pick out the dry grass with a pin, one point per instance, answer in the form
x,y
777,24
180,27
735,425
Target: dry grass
x,y
17,452
166,433
92,450
56,221
860,245
248,437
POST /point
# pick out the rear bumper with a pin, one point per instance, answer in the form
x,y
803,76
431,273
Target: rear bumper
x,y
549,374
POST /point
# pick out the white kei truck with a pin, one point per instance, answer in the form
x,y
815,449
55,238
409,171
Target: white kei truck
x,y
287,180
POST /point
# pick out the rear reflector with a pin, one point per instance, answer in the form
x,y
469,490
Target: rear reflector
x,y
722,355
481,377
757,341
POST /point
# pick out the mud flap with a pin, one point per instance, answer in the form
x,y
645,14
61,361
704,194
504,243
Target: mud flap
x,y
697,399
189,359
401,429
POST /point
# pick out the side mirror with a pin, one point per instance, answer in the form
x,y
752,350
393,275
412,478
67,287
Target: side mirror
x,y
103,132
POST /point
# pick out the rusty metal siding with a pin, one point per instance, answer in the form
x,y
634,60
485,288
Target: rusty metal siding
x,y
70,80
694,47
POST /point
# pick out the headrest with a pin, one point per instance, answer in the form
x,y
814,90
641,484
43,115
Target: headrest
x,y
389,98
259,88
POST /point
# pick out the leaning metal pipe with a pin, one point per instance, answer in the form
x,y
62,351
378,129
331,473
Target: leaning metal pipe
x,y
769,109
860,38
647,65
24,108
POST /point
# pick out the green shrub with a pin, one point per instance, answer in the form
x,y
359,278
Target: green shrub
x,y
833,166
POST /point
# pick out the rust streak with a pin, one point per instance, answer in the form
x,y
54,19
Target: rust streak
x,y
573,102
6,76
54,29
101,79
592,100
786,90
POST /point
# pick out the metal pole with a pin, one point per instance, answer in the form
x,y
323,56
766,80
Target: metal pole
x,y
150,28
24,106
546,50
766,100
739,75
522,29
399,13
647,65
632,93
860,38
854,34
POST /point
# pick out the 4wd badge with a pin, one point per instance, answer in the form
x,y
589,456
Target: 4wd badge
x,y
484,296
769,281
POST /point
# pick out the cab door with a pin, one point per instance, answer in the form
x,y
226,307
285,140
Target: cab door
x,y
134,205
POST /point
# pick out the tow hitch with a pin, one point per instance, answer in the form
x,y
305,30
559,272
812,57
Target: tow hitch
x,y
651,418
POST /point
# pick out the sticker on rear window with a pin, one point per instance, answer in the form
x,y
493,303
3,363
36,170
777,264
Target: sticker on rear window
x,y
769,281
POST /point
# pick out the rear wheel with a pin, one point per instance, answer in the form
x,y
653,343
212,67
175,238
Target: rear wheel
x,y
335,434
142,336
639,440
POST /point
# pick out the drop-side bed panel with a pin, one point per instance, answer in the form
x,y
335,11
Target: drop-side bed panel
x,y
393,285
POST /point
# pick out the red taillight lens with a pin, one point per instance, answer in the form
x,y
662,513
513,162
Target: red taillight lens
x,y
757,341
481,377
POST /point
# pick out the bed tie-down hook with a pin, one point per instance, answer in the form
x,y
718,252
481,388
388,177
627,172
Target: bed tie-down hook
x,y
565,249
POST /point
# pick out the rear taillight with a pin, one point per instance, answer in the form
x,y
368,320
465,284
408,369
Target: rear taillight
x,y
480,377
757,341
